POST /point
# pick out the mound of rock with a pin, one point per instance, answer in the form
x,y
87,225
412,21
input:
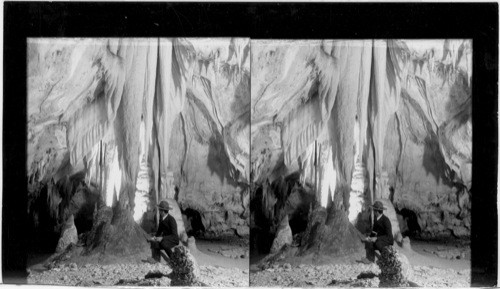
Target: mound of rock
x,y
185,270
283,236
69,235
395,269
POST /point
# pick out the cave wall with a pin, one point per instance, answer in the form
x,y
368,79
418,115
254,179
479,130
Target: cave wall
x,y
428,144
205,184
317,86
412,100
210,138
96,106
197,97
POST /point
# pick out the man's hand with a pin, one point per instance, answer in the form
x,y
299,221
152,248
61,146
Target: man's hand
x,y
371,239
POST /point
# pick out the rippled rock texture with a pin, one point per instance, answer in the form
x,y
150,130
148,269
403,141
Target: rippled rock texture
x,y
131,122
396,114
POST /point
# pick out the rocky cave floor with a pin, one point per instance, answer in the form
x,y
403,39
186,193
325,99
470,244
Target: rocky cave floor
x,y
434,264
223,262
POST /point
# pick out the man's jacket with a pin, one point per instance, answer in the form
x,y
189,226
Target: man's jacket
x,y
168,230
383,229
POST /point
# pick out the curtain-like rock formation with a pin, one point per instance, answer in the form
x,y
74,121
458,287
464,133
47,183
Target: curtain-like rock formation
x,y
97,106
411,100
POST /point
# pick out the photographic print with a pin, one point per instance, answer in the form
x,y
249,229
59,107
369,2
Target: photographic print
x,y
138,161
249,144
361,163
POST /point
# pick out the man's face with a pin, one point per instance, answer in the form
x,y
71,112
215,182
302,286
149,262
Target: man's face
x,y
163,213
377,213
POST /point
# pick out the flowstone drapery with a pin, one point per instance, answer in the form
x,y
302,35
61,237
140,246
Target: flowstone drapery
x,y
97,106
410,104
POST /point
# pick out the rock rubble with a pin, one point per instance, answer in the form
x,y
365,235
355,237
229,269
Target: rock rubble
x,y
135,273
352,275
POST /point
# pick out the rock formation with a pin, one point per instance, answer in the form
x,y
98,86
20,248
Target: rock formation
x,y
283,236
102,110
134,121
185,270
398,111
395,270
69,235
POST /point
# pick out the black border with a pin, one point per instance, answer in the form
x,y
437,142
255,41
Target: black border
x,y
478,21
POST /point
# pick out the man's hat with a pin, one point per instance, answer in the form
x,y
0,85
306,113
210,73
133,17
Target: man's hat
x,y
164,206
378,206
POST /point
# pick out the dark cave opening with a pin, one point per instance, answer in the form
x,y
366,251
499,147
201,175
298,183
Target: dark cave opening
x,y
45,235
298,223
411,219
283,197
194,224
260,237
51,206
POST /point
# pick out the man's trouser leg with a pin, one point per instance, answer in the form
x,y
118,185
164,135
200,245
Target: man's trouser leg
x,y
168,250
167,246
155,251
380,247
370,251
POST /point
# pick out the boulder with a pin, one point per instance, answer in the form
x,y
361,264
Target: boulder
x,y
398,238
243,230
283,236
406,243
185,270
191,244
69,235
461,232
395,268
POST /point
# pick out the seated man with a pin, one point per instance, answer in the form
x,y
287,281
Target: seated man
x,y
166,236
381,235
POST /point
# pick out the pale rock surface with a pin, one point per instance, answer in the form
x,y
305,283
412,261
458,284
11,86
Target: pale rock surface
x,y
209,147
283,236
69,235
